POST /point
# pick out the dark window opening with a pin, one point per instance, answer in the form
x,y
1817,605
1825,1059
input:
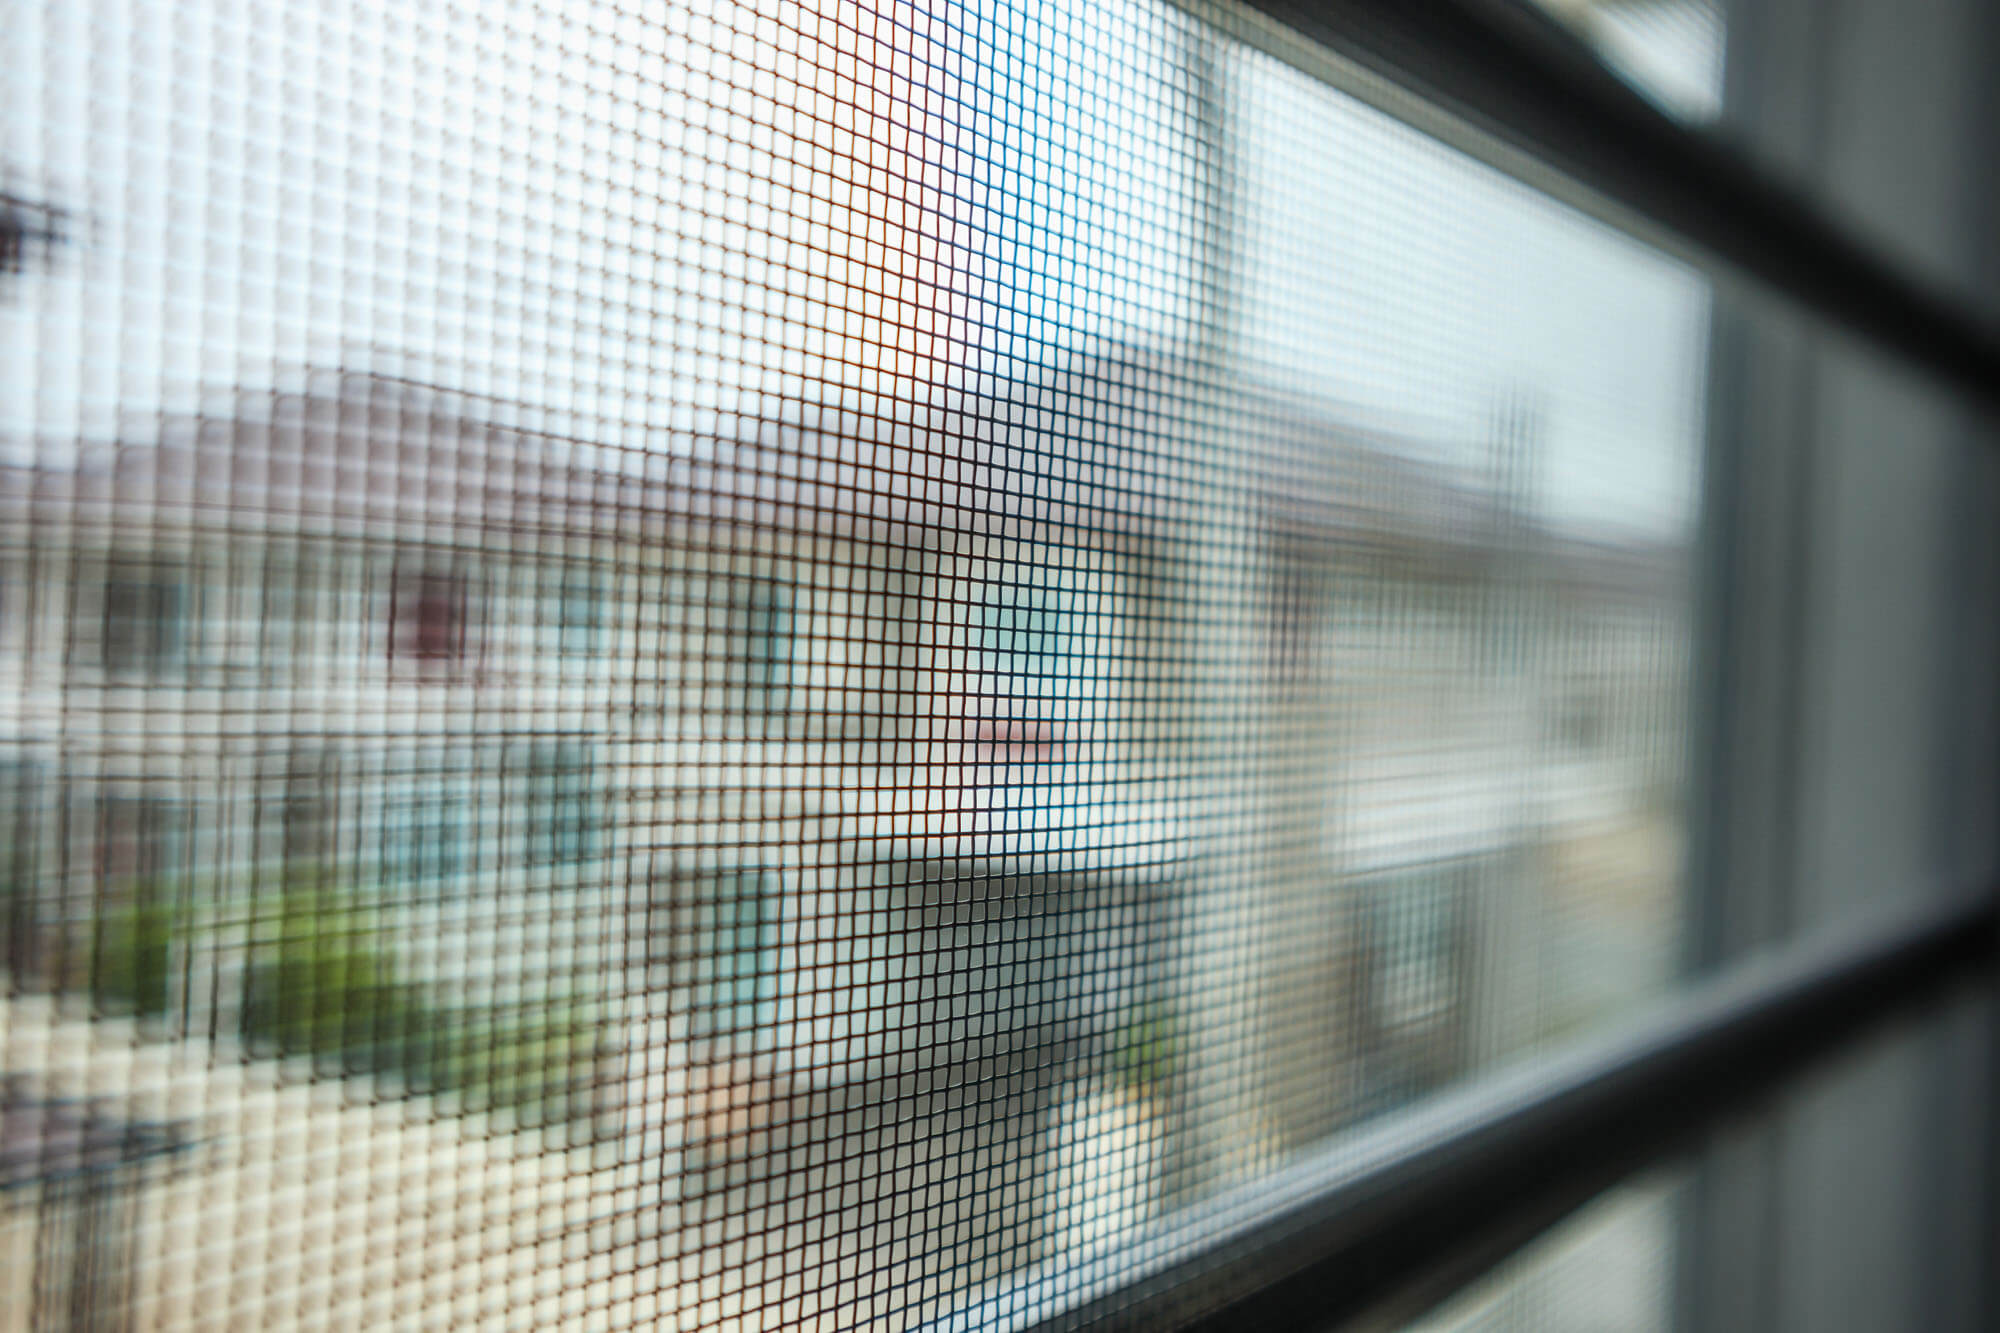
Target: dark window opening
x,y
145,622
428,618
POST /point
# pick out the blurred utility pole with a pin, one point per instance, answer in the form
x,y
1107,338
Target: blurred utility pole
x,y
1216,970
1506,976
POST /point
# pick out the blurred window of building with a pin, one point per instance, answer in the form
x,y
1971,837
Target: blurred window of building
x,y
753,648
557,801
141,838
727,953
426,820
429,614
145,627
580,612
307,797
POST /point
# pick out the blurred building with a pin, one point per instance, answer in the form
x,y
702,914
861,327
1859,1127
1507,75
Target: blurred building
x,y
1478,712
806,793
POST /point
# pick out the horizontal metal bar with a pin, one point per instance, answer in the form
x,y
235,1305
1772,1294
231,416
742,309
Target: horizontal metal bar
x,y
1521,79
1387,1219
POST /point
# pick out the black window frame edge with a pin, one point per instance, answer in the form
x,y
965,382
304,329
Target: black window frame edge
x,y
1382,1224
1509,85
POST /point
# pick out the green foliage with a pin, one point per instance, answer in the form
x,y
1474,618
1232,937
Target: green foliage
x,y
324,982
542,1066
1146,1054
131,955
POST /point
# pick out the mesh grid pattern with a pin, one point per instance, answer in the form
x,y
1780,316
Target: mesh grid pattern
x,y
722,667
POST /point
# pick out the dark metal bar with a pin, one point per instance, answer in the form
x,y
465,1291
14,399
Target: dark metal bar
x,y
1519,77
1390,1219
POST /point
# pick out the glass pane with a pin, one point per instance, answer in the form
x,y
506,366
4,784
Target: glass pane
x,y
1670,50
1468,510
1611,1266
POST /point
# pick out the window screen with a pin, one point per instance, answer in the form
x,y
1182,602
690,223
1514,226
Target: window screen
x,y
763,667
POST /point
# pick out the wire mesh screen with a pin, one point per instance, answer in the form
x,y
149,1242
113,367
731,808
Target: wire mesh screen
x,y
698,666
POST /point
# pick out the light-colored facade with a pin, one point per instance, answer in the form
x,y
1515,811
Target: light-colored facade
x,y
827,789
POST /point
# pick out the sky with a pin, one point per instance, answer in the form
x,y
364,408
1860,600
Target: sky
x,y
636,218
